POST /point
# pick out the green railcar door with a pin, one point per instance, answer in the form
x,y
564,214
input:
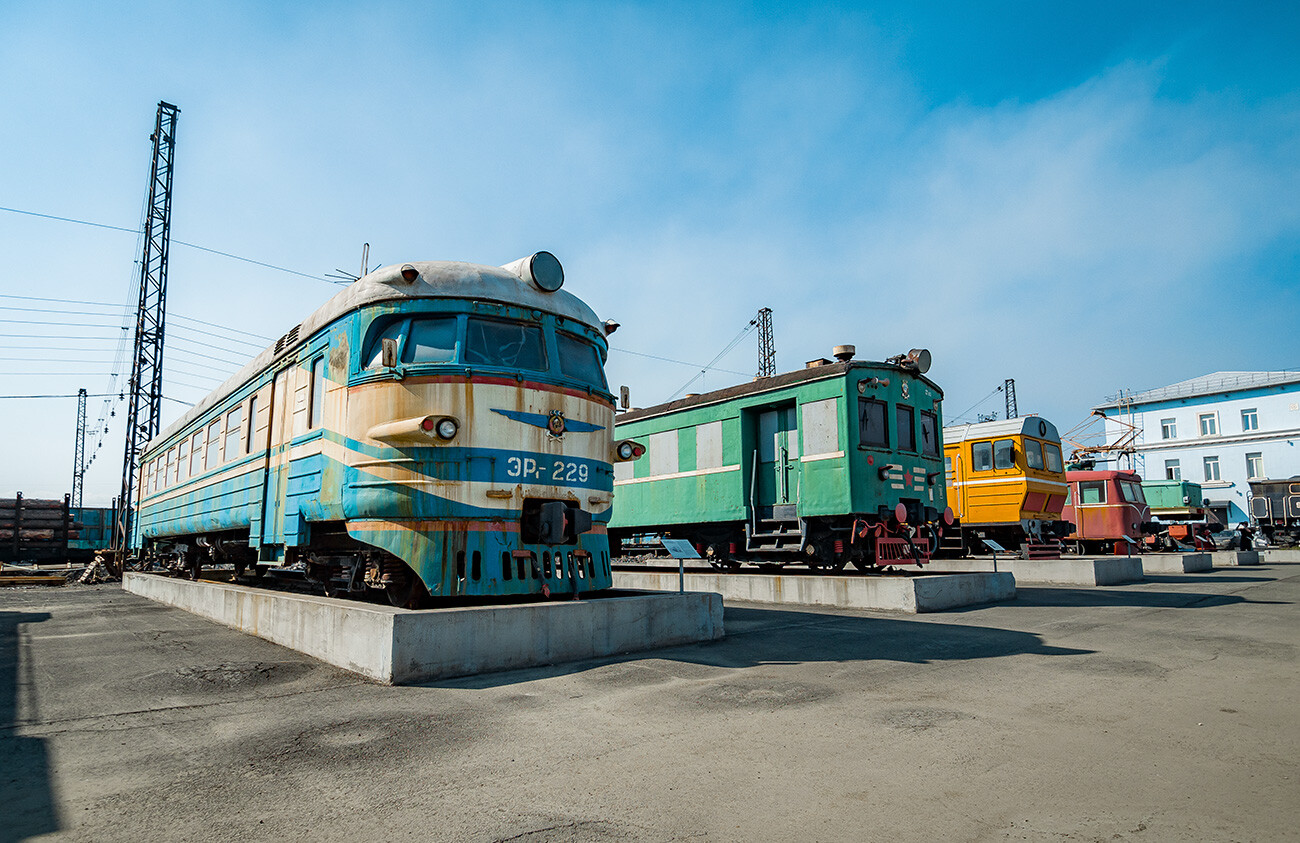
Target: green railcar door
x,y
778,463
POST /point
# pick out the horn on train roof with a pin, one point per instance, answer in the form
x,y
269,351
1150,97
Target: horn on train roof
x,y
542,269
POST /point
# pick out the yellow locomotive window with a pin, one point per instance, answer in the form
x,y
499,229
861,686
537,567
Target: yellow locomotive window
x,y
872,426
906,429
1052,457
981,456
431,341
1004,453
580,360
513,345
1034,453
929,441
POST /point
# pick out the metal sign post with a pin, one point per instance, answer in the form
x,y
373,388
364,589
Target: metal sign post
x,y
681,550
996,548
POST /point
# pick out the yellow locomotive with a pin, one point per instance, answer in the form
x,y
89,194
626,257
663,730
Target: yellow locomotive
x,y
1006,483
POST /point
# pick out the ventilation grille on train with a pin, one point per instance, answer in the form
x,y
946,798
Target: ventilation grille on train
x,y
287,340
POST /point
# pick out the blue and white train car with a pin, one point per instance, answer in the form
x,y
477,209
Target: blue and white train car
x,y
436,428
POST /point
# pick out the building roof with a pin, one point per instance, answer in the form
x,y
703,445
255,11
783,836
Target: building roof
x,y
1210,384
1027,425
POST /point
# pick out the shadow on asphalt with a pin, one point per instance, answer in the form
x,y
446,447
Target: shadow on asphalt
x,y
777,636
24,762
1177,578
1086,597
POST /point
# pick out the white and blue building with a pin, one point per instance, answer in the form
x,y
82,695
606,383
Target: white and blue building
x,y
1221,430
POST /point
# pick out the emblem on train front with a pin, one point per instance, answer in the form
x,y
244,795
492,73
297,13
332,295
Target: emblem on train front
x,y
905,389
555,424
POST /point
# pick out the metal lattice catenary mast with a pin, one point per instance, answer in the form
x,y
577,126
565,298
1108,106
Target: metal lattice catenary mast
x,y
79,450
143,414
1013,412
766,346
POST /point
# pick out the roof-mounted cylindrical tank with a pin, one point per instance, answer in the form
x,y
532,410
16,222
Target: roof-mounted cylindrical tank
x,y
542,269
844,353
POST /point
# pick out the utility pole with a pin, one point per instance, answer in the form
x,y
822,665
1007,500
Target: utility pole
x,y
766,346
144,413
1010,388
79,450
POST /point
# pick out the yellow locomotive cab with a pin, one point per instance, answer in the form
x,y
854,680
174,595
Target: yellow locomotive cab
x,y
1006,482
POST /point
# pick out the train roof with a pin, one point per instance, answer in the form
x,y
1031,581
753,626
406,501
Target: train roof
x,y
758,385
1028,425
436,280
1102,474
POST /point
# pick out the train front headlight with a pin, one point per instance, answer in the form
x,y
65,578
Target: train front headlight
x,y
627,450
447,428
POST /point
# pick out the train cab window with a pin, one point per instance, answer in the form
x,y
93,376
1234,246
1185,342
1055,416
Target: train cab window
x,y
1004,453
1034,454
981,456
1131,492
234,424
213,457
375,354
1092,491
431,340
1052,457
873,428
905,427
929,439
513,345
580,360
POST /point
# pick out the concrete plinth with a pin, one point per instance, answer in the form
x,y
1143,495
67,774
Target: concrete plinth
x,y
1177,563
898,594
1228,558
1103,570
399,646
1282,554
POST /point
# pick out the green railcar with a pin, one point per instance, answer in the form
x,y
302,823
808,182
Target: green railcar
x,y
835,463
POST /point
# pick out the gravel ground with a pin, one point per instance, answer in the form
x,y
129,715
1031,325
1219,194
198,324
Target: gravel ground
x,y
1159,711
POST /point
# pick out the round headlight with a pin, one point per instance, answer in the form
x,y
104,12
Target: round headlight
x,y
625,450
447,428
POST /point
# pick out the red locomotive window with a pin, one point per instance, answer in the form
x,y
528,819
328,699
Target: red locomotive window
x,y
1092,491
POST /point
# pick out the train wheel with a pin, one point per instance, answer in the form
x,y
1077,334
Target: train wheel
x,y
194,566
407,593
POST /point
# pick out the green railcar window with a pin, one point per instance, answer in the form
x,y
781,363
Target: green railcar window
x,y
580,360
981,456
905,427
1034,453
514,345
929,439
873,428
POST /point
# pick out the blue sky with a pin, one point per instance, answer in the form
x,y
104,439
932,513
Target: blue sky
x,y
1082,197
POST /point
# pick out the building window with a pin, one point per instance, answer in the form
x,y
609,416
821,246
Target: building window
x,y
1254,466
1211,469
1172,470
1209,424
1249,420
1168,429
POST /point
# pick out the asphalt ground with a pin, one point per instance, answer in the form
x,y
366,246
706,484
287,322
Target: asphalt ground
x,y
1160,711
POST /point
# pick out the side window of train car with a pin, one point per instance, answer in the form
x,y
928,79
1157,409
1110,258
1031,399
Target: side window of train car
x,y
1004,453
212,459
375,354
1092,491
1052,457
580,360
252,425
167,471
905,427
183,461
981,456
196,454
929,441
1034,453
513,345
431,340
316,397
1131,491
873,429
234,424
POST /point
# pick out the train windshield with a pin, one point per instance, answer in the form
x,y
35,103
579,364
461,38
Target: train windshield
x,y
431,341
376,356
514,345
580,360
1033,453
1131,491
1052,457
1004,453
1092,491
929,442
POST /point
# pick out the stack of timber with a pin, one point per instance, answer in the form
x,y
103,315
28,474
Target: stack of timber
x,y
36,530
